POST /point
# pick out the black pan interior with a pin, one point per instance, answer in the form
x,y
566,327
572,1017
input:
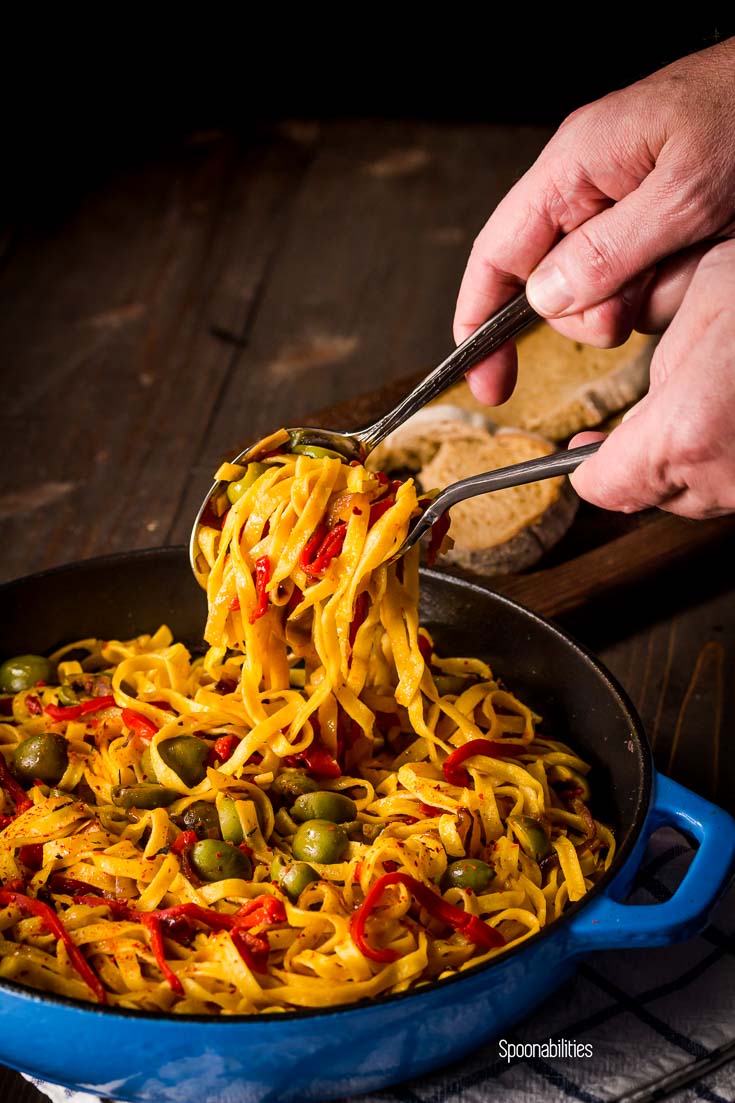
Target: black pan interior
x,y
123,595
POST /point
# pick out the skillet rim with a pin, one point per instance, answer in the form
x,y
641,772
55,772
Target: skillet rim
x,y
563,639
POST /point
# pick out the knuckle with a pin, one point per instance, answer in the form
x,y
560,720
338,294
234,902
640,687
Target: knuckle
x,y
594,258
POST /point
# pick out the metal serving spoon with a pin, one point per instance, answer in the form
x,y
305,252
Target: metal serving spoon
x,y
530,471
507,323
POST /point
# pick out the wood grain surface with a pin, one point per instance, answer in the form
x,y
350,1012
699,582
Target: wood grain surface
x,y
154,322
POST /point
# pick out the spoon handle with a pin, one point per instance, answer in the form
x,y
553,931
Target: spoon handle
x,y
530,471
507,323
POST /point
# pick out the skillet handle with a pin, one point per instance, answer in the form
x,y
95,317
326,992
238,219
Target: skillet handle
x,y
605,923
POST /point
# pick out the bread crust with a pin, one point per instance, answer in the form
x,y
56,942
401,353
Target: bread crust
x,y
429,444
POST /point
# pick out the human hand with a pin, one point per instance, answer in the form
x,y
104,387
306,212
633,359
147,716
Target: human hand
x,y
634,178
676,447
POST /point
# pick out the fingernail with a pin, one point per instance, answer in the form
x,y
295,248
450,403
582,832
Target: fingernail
x,y
547,290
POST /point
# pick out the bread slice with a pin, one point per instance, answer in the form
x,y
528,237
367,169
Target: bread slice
x,y
564,386
496,533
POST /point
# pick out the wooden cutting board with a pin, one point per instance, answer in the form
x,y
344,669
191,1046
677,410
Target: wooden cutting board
x,y
602,554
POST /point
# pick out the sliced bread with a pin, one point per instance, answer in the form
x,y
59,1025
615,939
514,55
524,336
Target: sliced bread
x,y
496,533
564,386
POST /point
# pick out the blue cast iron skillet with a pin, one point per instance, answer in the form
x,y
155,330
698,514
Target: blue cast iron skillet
x,y
318,1055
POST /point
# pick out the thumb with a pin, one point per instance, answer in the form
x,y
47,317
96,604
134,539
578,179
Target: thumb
x,y
601,256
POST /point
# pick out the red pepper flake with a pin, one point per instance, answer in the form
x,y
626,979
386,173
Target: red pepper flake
x,y
59,713
31,906
262,578
234,606
439,530
470,926
455,774
357,873
143,728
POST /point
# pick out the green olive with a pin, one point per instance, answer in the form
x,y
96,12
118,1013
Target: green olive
x,y
22,672
212,860
44,756
143,796
67,695
531,835
236,490
320,841
372,830
316,453
186,755
201,816
290,784
468,873
323,806
293,877
229,821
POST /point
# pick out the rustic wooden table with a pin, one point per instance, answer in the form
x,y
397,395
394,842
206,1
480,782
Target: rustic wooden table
x,y
181,306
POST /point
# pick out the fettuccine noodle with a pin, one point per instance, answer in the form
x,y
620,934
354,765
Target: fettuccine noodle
x,y
318,810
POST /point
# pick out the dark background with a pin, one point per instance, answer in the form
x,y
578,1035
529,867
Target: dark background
x,y
82,103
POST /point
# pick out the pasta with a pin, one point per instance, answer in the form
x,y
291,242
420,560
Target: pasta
x,y
317,810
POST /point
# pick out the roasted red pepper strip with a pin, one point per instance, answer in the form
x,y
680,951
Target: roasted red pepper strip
x,y
225,747
30,906
314,542
11,786
318,761
152,924
468,925
329,549
455,774
262,578
186,838
377,509
261,911
252,949
425,649
144,728
362,604
74,712
439,530
31,855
